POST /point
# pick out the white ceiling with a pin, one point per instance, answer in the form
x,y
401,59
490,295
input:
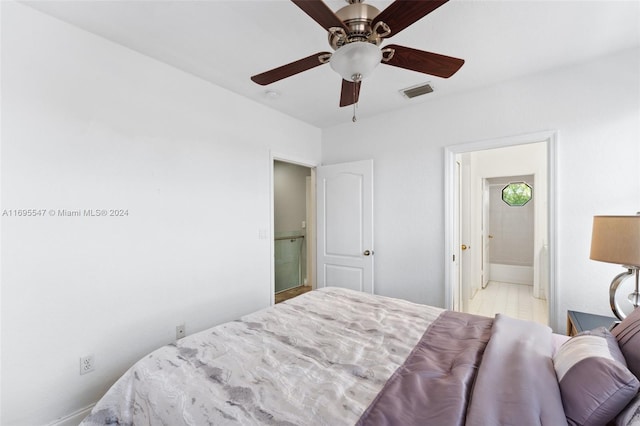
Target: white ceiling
x,y
226,42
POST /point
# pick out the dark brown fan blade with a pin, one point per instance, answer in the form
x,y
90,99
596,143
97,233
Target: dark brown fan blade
x,y
350,93
288,70
424,62
320,13
402,13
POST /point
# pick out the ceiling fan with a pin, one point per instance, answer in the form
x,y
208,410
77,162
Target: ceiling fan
x,y
355,32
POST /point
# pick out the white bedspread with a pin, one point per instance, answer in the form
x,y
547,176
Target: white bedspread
x,y
319,359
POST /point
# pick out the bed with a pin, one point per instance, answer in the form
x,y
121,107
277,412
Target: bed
x,y
339,357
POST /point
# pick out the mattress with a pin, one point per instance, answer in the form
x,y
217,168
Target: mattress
x,y
340,357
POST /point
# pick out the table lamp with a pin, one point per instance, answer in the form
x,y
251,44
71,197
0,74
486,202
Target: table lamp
x,y
616,239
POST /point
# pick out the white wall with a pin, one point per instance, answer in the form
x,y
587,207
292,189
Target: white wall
x,y
594,106
511,226
290,211
290,192
530,158
87,124
511,248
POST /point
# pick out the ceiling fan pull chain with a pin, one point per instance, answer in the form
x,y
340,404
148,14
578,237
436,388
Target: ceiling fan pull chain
x,y
356,78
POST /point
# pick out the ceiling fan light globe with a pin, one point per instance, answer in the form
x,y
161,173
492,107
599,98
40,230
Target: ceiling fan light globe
x,y
355,61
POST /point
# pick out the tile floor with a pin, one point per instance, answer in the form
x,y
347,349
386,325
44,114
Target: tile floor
x,y
515,300
292,292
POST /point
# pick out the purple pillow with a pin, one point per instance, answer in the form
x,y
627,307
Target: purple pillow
x,y
630,416
595,383
627,333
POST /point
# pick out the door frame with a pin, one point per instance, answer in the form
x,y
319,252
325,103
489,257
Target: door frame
x,y
486,276
450,194
275,156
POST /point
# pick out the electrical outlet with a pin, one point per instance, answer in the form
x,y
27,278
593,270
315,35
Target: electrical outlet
x,y
87,364
180,331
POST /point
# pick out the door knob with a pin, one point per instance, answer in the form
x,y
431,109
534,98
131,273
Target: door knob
x,y
464,247
368,253
490,236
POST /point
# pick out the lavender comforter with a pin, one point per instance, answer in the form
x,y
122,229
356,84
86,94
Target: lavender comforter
x,y
334,357
473,370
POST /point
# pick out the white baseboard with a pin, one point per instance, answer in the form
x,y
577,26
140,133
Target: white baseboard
x,y
74,418
511,273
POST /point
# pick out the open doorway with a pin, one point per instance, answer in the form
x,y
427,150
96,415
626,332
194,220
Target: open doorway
x,y
293,230
509,253
472,171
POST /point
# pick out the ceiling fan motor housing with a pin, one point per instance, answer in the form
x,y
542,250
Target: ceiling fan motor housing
x,y
357,17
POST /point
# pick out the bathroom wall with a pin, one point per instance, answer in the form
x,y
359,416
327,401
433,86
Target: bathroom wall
x,y
512,228
290,215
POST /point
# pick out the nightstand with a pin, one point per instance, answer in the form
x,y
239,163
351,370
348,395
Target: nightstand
x,y
581,321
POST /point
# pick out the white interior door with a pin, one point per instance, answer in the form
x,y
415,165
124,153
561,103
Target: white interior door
x,y
345,225
458,301
463,246
486,233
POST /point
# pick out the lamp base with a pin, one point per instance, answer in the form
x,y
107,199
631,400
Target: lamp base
x,y
634,297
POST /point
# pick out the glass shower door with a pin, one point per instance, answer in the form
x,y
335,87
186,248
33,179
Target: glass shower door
x,y
288,265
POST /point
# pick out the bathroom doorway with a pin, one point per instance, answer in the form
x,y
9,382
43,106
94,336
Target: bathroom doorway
x,y
509,283
469,270
508,232
293,225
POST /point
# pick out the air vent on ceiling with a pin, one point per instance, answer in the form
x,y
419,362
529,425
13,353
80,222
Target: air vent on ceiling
x,y
419,90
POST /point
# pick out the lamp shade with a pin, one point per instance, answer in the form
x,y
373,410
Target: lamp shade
x,y
616,239
356,60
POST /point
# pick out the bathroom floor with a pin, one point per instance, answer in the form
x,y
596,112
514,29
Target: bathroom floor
x,y
515,300
291,293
